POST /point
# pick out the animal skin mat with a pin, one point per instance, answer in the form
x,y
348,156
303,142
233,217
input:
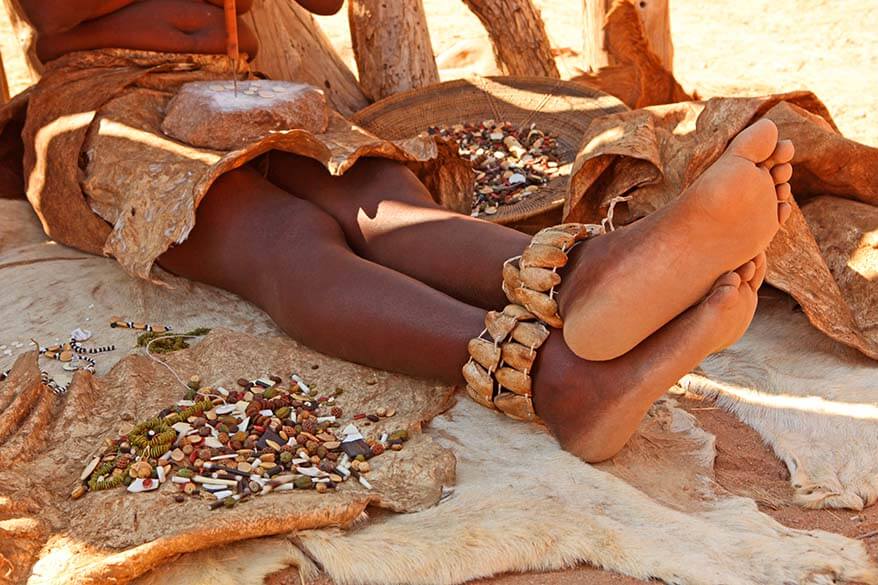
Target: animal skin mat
x,y
519,503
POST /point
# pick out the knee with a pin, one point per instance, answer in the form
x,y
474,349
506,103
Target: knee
x,y
374,180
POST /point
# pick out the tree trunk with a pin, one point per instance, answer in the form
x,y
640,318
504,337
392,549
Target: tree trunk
x,y
655,17
392,46
26,41
518,34
293,47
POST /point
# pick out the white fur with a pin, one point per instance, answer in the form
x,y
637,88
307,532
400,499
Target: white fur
x,y
814,402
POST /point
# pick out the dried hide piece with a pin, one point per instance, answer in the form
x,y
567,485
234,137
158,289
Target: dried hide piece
x,y
847,233
114,536
638,77
654,153
105,179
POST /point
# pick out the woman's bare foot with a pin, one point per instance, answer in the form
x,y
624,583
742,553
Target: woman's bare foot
x,y
593,408
670,259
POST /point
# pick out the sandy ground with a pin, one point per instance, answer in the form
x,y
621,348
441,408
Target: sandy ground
x,y
734,47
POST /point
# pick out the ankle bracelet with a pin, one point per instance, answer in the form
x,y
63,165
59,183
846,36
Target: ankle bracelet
x,y
498,373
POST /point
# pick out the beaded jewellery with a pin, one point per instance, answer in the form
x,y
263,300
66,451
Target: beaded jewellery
x,y
498,372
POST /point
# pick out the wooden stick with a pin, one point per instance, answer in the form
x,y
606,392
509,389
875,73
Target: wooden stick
x,y
232,37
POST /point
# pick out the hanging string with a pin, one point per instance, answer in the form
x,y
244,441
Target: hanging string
x,y
153,357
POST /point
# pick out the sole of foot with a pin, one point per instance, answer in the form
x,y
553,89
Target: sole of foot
x,y
622,287
593,408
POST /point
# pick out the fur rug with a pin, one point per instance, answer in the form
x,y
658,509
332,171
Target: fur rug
x,y
813,400
520,503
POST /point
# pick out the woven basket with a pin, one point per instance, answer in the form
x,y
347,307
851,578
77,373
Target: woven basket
x,y
560,108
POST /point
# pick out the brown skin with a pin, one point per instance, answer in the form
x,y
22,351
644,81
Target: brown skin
x,y
368,268
182,26
173,26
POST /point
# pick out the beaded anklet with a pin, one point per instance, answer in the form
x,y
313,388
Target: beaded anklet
x,y
498,371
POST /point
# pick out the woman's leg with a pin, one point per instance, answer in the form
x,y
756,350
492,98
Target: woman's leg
x,y
389,217
671,257
291,259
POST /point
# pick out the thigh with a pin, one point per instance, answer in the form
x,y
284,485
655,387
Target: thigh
x,y
362,189
242,225
291,259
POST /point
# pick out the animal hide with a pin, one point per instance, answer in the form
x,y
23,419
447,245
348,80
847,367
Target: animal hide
x,y
519,504
811,399
45,440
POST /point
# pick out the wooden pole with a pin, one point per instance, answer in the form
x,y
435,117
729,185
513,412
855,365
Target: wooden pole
x,y
392,46
655,17
26,40
292,46
231,10
518,34
232,46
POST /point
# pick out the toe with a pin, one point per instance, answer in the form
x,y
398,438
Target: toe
x,y
732,279
747,271
784,211
783,153
761,263
757,142
721,295
782,173
784,193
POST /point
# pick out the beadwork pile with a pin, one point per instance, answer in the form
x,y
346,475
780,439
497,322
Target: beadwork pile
x,y
229,445
510,163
